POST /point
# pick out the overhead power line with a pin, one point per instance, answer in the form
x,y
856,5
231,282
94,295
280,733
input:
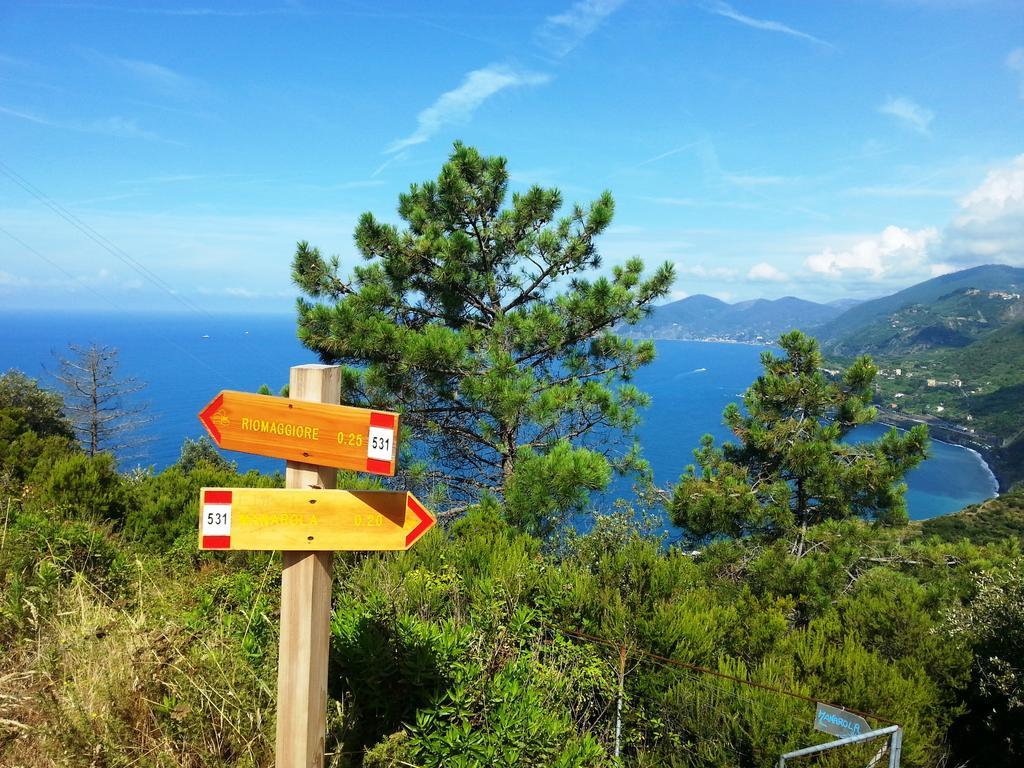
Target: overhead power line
x,y
111,248
99,239
106,299
665,661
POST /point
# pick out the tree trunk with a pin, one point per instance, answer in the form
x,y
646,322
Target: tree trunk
x,y
94,425
801,512
508,457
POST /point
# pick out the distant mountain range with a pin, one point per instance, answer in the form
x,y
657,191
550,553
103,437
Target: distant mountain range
x,y
950,311
705,317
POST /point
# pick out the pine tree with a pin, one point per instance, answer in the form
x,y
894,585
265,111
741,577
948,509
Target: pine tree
x,y
474,321
790,467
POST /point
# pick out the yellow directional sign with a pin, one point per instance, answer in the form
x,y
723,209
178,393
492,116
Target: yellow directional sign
x,y
310,520
325,435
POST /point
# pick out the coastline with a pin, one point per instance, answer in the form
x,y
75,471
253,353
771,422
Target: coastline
x,y
997,484
952,435
705,340
985,447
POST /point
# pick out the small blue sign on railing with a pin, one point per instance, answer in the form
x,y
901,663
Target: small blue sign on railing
x,y
839,722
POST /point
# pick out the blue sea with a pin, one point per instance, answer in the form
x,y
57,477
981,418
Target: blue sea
x,y
187,359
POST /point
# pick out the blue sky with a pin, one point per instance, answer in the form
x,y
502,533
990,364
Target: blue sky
x,y
164,155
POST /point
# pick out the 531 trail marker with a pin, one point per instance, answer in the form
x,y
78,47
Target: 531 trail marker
x,y
307,521
311,520
358,439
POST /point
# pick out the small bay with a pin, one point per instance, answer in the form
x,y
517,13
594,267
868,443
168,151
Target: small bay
x,y
186,359
692,382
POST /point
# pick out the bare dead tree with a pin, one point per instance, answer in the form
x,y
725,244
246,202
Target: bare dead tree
x,y
97,400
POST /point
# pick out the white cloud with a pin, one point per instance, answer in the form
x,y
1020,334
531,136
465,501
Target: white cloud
x,y
988,228
727,11
121,127
157,75
1015,63
7,280
895,251
765,272
1001,193
706,273
564,31
909,113
459,104
990,224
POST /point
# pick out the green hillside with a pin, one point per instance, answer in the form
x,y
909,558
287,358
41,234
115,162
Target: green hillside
x,y
998,361
952,321
842,335
980,385
991,521
951,350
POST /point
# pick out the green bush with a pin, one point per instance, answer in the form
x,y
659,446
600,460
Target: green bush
x,y
83,487
21,450
992,727
987,523
166,505
42,410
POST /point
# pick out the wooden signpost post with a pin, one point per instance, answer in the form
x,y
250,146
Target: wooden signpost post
x,y
308,521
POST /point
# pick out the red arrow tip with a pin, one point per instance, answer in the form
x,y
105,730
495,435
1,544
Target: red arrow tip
x,y
426,519
206,416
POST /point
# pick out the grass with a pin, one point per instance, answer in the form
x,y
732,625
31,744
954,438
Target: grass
x,y
153,677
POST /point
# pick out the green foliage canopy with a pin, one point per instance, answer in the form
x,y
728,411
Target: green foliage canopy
x,y
41,409
33,429
993,624
475,322
463,652
166,505
790,467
